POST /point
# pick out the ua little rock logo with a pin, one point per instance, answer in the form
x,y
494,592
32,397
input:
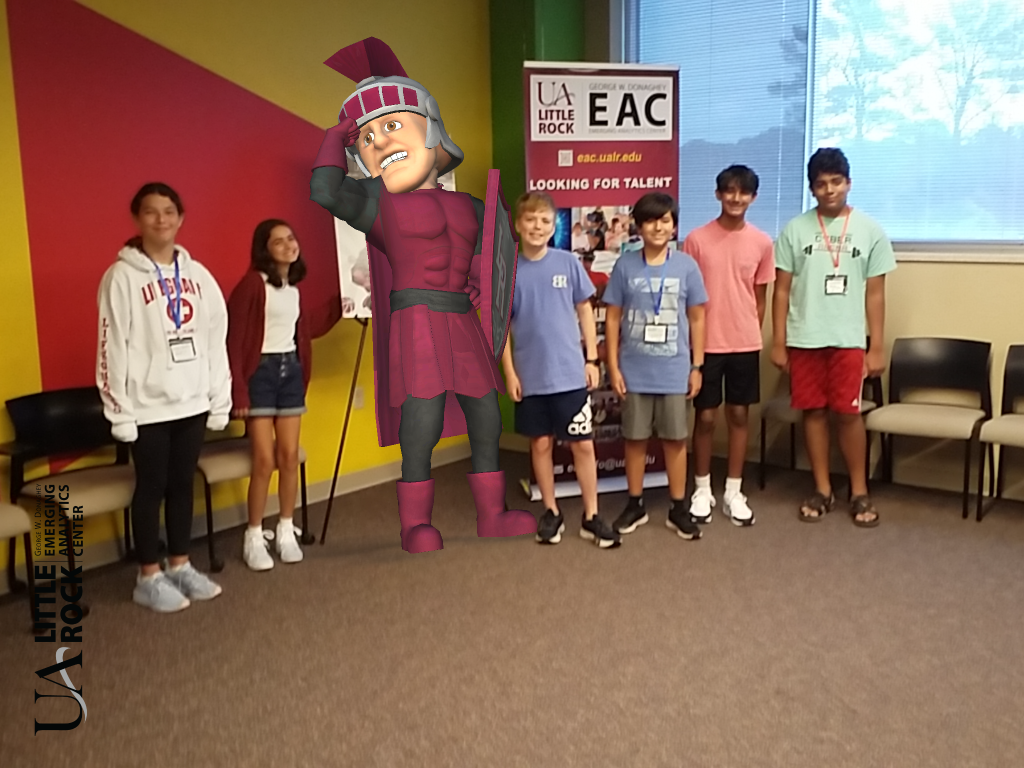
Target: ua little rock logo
x,y
583,422
560,281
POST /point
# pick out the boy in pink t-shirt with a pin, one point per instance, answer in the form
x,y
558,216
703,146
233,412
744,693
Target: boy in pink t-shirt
x,y
736,261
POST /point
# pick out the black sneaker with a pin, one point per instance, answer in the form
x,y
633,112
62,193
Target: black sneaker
x,y
681,521
550,528
633,516
597,531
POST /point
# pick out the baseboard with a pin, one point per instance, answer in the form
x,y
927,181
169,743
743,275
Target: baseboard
x,y
111,550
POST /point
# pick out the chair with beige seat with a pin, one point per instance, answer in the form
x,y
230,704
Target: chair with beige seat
x,y
1006,430
15,522
66,424
221,461
779,409
927,379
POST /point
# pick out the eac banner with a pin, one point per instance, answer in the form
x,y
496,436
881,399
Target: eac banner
x,y
598,138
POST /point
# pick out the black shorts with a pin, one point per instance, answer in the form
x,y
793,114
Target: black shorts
x,y
566,415
742,374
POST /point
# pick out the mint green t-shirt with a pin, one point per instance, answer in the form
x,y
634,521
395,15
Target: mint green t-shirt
x,y
817,319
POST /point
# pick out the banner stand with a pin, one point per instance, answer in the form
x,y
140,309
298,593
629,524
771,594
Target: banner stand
x,y
613,484
344,429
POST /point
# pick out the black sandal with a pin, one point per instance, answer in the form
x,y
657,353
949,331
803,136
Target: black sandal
x,y
860,505
819,503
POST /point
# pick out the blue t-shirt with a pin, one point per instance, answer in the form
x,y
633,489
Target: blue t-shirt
x,y
546,349
657,368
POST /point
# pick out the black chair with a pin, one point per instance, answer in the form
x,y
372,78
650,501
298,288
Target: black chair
x,y
68,423
1006,430
15,522
779,409
921,364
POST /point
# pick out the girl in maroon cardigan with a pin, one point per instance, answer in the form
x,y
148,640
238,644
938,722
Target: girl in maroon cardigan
x,y
270,330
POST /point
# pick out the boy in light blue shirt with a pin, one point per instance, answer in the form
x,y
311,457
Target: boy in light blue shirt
x,y
654,332
546,374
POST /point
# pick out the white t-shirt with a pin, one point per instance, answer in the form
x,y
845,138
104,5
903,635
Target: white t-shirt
x,y
280,317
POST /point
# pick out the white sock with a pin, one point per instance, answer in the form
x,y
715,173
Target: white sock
x,y
255,530
150,577
284,525
176,568
732,487
703,483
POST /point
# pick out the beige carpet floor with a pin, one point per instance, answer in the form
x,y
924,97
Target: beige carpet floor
x,y
785,644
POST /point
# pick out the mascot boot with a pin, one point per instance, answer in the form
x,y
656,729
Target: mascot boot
x,y
492,519
415,505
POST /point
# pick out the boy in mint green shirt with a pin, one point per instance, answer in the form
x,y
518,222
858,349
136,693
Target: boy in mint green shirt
x,y
831,264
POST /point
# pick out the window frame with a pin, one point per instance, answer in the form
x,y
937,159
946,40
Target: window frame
x,y
623,42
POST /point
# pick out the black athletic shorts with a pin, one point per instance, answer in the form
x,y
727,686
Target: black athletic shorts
x,y
742,374
566,415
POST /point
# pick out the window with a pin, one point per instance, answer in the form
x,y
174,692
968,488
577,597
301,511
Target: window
x,y
926,100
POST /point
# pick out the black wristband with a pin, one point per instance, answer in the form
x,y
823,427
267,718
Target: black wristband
x,y
593,362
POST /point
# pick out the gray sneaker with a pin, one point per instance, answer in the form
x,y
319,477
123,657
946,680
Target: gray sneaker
x,y
159,594
192,583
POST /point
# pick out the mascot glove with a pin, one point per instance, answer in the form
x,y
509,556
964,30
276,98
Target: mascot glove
x,y
332,150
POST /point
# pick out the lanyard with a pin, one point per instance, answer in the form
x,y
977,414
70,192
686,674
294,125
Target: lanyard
x,y
174,306
661,284
828,242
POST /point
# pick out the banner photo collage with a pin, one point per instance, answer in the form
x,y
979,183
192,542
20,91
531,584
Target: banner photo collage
x,y
596,141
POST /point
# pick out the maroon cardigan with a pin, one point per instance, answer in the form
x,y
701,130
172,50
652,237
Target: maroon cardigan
x,y
246,319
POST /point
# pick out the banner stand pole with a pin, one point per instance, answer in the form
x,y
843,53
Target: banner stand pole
x,y
344,430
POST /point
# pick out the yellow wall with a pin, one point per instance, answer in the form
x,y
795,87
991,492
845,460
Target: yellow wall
x,y
274,48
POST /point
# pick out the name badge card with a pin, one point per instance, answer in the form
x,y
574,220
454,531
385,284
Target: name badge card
x,y
655,334
835,285
183,350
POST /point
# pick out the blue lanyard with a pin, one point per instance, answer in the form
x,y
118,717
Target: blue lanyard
x,y
661,284
175,306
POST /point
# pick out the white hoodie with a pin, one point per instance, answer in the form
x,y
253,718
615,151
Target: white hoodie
x,y
138,380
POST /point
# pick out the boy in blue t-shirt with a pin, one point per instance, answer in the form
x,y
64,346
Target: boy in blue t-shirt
x,y
546,374
656,297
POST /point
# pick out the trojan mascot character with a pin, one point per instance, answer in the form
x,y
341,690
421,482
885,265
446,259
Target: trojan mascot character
x,y
435,370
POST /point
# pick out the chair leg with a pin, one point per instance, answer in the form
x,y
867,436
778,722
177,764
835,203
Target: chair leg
x,y
792,446
1001,474
216,565
992,470
890,450
31,577
867,460
981,482
307,534
13,583
129,554
764,449
967,477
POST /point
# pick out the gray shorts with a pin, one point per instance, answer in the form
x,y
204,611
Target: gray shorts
x,y
667,414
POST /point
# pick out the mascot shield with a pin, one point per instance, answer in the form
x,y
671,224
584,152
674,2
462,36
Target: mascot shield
x,y
498,253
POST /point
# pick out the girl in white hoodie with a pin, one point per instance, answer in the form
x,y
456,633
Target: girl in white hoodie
x,y
162,370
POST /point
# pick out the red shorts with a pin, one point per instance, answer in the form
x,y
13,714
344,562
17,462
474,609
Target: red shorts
x,y
826,378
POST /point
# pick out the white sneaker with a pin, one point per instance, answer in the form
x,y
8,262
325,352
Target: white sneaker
x,y
700,506
254,550
737,511
287,542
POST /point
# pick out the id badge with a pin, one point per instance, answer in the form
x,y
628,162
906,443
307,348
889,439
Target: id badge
x,y
655,334
835,285
183,350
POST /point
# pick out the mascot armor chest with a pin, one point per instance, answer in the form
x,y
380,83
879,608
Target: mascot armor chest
x,y
430,236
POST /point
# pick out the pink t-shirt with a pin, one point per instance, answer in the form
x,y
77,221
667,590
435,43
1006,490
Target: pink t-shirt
x,y
732,263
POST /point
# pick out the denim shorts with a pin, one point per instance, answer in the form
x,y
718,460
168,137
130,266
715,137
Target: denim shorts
x,y
277,388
